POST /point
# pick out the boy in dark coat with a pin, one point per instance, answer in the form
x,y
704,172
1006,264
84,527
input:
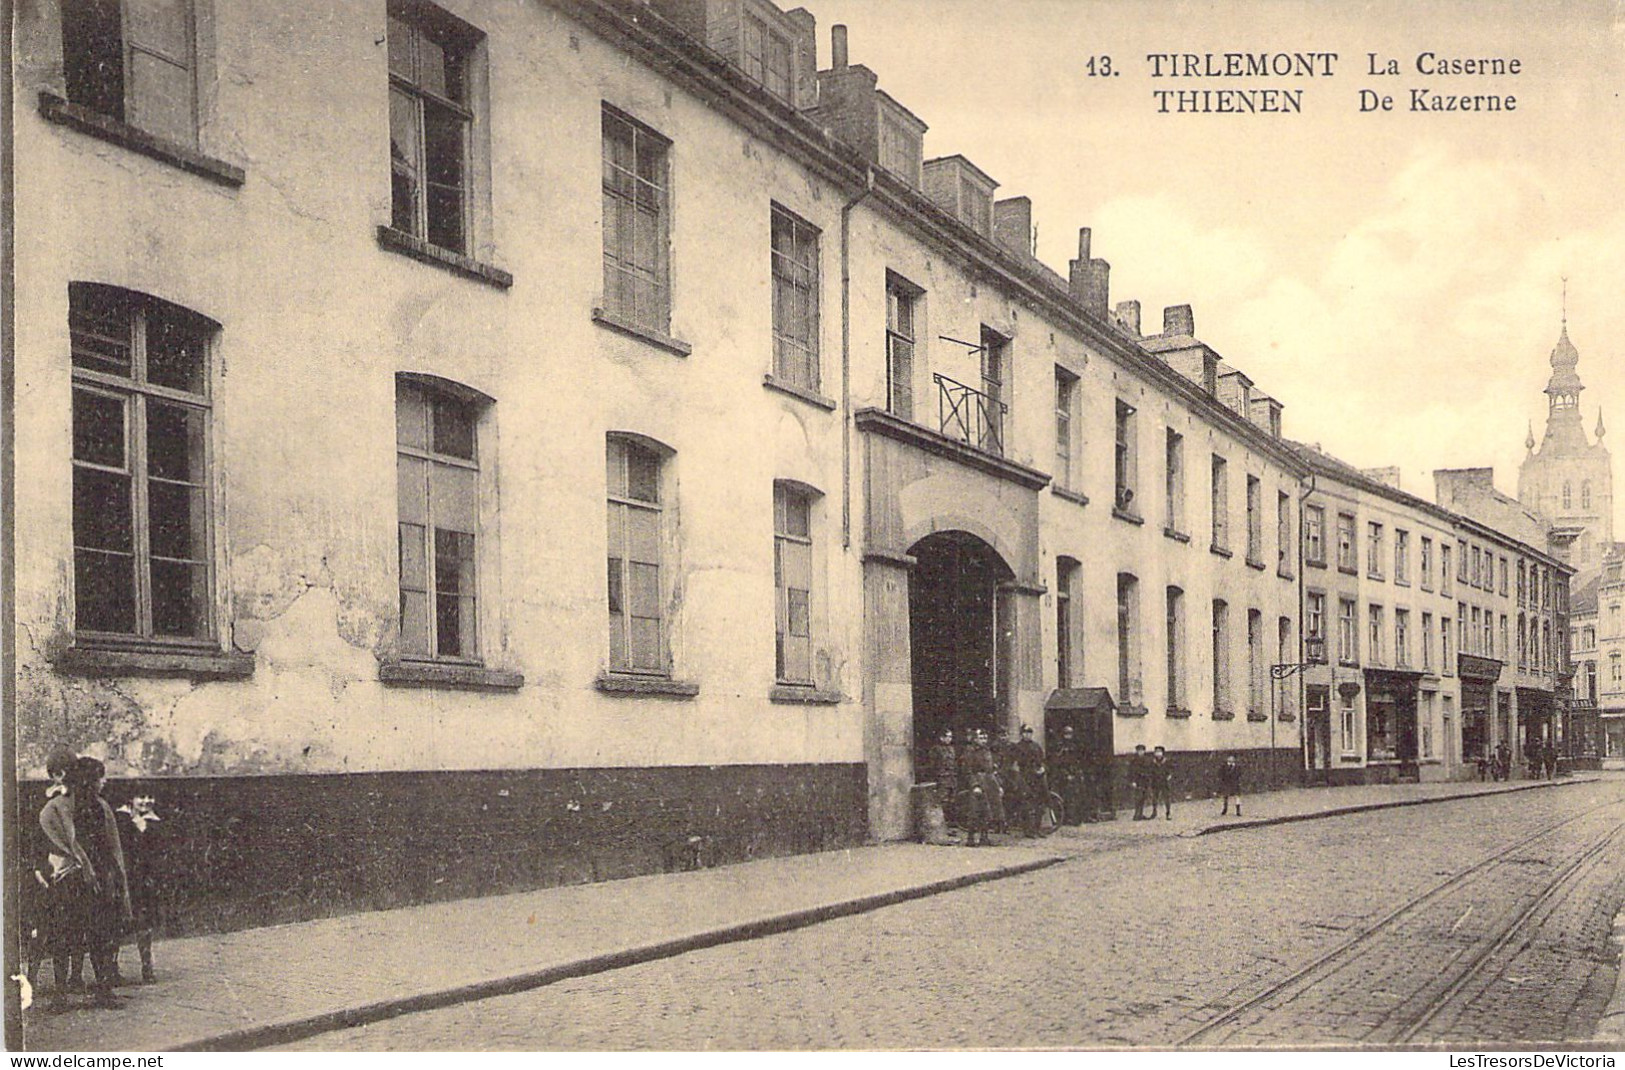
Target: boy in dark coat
x,y
1230,784
1162,784
1139,779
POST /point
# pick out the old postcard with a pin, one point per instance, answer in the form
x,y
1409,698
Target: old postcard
x,y
886,524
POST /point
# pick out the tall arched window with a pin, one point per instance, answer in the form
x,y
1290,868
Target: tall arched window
x,y
1568,495
142,520
1585,495
636,469
438,468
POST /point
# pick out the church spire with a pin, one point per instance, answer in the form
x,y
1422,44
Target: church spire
x,y
1601,430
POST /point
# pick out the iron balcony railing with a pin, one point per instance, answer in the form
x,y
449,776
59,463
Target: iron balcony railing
x,y
969,415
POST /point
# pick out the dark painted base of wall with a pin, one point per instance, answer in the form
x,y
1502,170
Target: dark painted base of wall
x,y
1196,773
236,852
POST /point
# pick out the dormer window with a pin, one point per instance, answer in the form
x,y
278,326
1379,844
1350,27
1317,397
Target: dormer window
x,y
767,58
899,149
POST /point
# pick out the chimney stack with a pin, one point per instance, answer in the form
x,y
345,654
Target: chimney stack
x,y
1089,279
1178,319
1013,225
1127,315
837,46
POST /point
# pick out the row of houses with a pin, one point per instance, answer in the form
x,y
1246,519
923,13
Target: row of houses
x,y
471,446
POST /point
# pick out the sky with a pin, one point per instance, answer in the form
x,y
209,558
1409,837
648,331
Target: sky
x,y
1393,277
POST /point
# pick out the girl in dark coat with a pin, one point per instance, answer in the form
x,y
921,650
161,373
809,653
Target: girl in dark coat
x,y
90,886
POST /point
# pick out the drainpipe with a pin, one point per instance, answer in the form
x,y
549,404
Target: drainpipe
x,y
846,355
1303,677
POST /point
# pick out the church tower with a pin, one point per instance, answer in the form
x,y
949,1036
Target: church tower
x,y
1569,479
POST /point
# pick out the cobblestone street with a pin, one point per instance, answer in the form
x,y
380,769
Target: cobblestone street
x,y
1146,944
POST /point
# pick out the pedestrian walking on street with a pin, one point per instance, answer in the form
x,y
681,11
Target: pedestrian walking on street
x,y
91,890
1139,780
1162,784
1550,756
1503,761
1230,784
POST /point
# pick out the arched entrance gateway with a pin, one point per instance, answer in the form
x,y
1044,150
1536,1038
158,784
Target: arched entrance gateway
x,y
960,633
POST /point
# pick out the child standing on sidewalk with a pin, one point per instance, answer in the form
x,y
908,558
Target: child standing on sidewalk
x,y
1230,784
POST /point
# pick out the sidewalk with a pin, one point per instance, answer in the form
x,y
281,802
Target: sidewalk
x,y
278,984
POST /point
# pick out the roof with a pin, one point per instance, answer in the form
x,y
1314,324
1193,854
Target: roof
x,y
965,163
1583,599
1320,461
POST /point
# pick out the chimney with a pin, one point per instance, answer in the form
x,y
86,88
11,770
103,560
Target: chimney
x,y
1178,319
1090,279
1127,315
1013,225
837,46
1388,475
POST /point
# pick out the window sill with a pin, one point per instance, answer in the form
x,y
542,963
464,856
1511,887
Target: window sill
x,y
448,675
1401,583
1072,496
200,664
659,339
87,121
1125,515
799,695
1256,717
1286,717
1132,711
1285,574
1348,571
1314,564
1223,715
646,685
1374,576
1179,713
1348,758
1215,548
1255,563
397,241
1176,535
1348,664
801,393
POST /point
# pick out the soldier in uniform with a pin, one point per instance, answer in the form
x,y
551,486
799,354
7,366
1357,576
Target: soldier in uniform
x,y
943,766
1030,772
1066,759
1139,779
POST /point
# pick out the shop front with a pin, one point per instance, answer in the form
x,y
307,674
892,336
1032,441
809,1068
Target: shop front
x,y
1390,726
1478,677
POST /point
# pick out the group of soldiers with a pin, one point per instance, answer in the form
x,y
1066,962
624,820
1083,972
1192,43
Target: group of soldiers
x,y
1007,784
